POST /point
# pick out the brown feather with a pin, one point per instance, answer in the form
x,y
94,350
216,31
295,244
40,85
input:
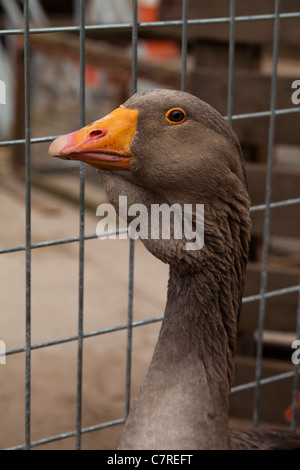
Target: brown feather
x,y
183,402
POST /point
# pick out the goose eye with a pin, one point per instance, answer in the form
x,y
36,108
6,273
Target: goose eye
x,y
175,115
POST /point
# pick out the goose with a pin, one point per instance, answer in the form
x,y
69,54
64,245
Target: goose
x,y
169,147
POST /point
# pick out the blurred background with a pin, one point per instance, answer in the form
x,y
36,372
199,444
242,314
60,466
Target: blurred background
x,y
55,110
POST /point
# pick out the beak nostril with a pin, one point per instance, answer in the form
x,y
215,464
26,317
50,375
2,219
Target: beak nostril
x,y
98,133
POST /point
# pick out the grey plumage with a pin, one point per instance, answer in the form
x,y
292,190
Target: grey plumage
x,y
183,402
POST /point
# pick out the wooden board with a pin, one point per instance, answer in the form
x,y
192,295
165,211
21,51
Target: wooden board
x,y
285,221
258,32
281,311
251,90
275,397
251,32
252,93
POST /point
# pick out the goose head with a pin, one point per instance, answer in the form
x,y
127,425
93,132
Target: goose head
x,y
166,146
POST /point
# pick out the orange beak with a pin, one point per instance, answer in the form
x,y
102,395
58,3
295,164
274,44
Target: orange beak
x,y
102,144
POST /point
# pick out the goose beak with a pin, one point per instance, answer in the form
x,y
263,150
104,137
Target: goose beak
x,y
104,144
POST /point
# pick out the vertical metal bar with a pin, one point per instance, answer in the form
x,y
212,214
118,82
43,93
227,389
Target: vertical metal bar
x,y
268,194
297,371
28,223
76,11
81,229
184,44
231,62
134,47
129,327
131,243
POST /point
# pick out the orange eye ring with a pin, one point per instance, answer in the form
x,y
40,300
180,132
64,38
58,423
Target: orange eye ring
x,y
175,115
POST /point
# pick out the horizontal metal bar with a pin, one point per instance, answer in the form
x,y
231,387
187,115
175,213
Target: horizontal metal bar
x,y
273,293
35,140
106,424
153,24
250,298
90,334
273,205
69,434
62,241
267,380
59,241
259,114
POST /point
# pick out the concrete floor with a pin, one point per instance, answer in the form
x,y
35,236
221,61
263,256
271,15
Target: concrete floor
x,y
54,315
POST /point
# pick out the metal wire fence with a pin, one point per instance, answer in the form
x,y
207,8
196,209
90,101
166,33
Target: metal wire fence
x,y
82,238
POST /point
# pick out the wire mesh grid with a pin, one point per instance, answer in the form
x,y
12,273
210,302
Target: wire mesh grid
x,y
82,238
